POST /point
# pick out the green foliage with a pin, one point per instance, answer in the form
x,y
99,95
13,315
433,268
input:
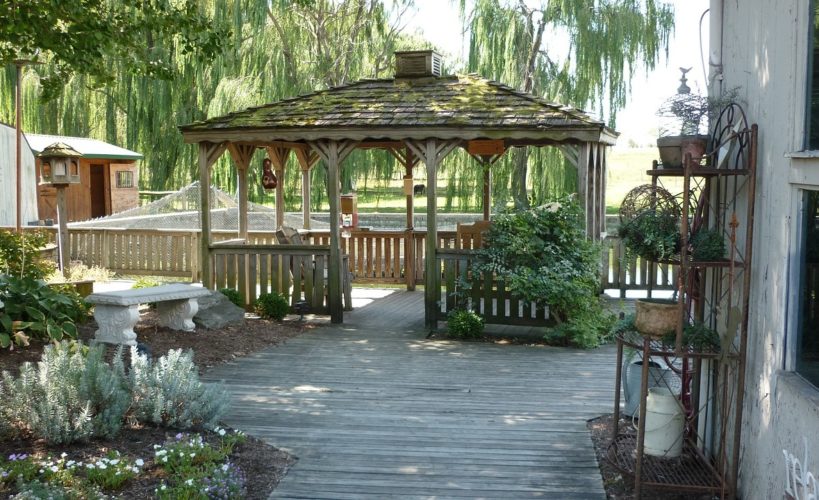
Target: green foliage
x,y
20,254
169,392
273,306
145,282
34,310
111,472
72,394
689,111
96,39
78,271
543,256
463,324
697,336
234,296
708,245
652,235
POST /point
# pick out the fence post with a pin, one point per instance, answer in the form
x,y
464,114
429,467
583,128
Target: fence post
x,y
409,259
193,256
106,250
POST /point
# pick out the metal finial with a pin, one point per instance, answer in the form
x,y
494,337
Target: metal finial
x,y
683,88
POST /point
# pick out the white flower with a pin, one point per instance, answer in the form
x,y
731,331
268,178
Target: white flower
x,y
70,463
189,482
63,454
193,455
89,465
221,432
139,462
102,466
114,462
164,459
224,467
54,468
163,487
161,452
117,473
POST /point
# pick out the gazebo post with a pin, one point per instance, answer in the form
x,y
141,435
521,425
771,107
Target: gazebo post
x,y
208,154
306,160
241,154
431,152
487,190
278,155
333,153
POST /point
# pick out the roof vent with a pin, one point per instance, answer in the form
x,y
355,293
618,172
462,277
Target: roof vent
x,y
417,63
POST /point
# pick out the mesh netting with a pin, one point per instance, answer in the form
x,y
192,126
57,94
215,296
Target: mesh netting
x,y
180,211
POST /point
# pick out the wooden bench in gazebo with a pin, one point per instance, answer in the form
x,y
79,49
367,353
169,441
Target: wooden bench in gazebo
x,y
418,116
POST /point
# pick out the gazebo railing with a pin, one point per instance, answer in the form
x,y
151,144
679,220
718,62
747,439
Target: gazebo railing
x,y
298,271
487,295
374,256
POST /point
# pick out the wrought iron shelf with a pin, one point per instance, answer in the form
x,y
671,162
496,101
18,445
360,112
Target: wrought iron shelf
x,y
634,340
690,472
697,172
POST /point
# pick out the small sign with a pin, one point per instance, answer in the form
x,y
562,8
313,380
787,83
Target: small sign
x,y
407,186
485,147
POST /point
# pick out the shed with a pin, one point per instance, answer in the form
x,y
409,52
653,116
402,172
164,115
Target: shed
x,y
108,179
8,180
418,116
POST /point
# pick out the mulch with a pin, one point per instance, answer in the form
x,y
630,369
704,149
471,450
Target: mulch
x,y
264,465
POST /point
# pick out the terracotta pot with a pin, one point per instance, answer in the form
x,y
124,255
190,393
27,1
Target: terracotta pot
x,y
656,317
673,148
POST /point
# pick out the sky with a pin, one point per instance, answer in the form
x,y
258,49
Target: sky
x,y
439,22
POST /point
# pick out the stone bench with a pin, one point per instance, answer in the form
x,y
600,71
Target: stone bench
x,y
117,312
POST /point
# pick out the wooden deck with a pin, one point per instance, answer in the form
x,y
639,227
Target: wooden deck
x,y
373,410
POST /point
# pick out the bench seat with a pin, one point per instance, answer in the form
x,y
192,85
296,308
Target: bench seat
x,y
117,312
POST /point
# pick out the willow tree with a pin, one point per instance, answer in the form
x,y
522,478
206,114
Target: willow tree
x,y
579,52
278,49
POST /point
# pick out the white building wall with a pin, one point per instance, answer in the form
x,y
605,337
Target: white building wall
x,y
8,180
765,52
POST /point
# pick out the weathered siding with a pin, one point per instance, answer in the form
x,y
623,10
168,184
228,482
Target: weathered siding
x,y
8,179
765,48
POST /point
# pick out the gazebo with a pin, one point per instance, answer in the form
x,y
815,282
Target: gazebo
x,y
417,116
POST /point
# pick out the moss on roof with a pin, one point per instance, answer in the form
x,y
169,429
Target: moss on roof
x,y
452,101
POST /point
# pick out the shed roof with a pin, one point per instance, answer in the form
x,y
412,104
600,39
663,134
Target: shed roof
x,y
458,106
89,148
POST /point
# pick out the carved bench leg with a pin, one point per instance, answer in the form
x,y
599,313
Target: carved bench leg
x,y
178,314
116,324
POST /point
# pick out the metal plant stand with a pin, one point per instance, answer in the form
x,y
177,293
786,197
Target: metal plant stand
x,y
718,194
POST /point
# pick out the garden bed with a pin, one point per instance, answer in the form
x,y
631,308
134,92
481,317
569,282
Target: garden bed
x,y
261,464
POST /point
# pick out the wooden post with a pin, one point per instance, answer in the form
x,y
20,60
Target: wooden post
x,y
208,154
305,198
487,190
241,154
306,160
278,157
62,221
431,152
333,153
583,182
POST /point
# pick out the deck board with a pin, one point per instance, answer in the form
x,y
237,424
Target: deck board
x,y
374,410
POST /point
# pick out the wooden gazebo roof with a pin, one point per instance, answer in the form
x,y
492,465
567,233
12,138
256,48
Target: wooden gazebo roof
x,y
451,107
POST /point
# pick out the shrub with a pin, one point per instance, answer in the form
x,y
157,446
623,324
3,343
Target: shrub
x,y
78,271
272,306
234,296
145,282
543,256
464,324
170,393
42,312
20,255
72,394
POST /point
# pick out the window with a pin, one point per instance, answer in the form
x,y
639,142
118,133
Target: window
x,y
125,179
813,83
807,337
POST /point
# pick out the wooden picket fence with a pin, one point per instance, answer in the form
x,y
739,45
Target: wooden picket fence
x,y
388,257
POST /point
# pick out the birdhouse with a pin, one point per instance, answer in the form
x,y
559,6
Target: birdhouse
x,y
59,165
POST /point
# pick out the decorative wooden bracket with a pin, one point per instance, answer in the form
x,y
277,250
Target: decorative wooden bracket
x,y
278,155
241,154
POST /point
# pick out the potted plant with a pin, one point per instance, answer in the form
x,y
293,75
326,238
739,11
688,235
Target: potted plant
x,y
650,229
707,245
686,129
698,337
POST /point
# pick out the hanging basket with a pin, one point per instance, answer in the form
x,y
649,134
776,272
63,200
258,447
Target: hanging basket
x,y
656,317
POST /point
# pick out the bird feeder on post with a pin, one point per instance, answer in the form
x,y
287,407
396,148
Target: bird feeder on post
x,y
59,167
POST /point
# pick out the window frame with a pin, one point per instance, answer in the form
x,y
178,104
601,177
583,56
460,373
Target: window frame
x,y
809,83
130,177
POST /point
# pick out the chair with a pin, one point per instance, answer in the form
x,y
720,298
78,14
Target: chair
x,y
470,236
291,236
